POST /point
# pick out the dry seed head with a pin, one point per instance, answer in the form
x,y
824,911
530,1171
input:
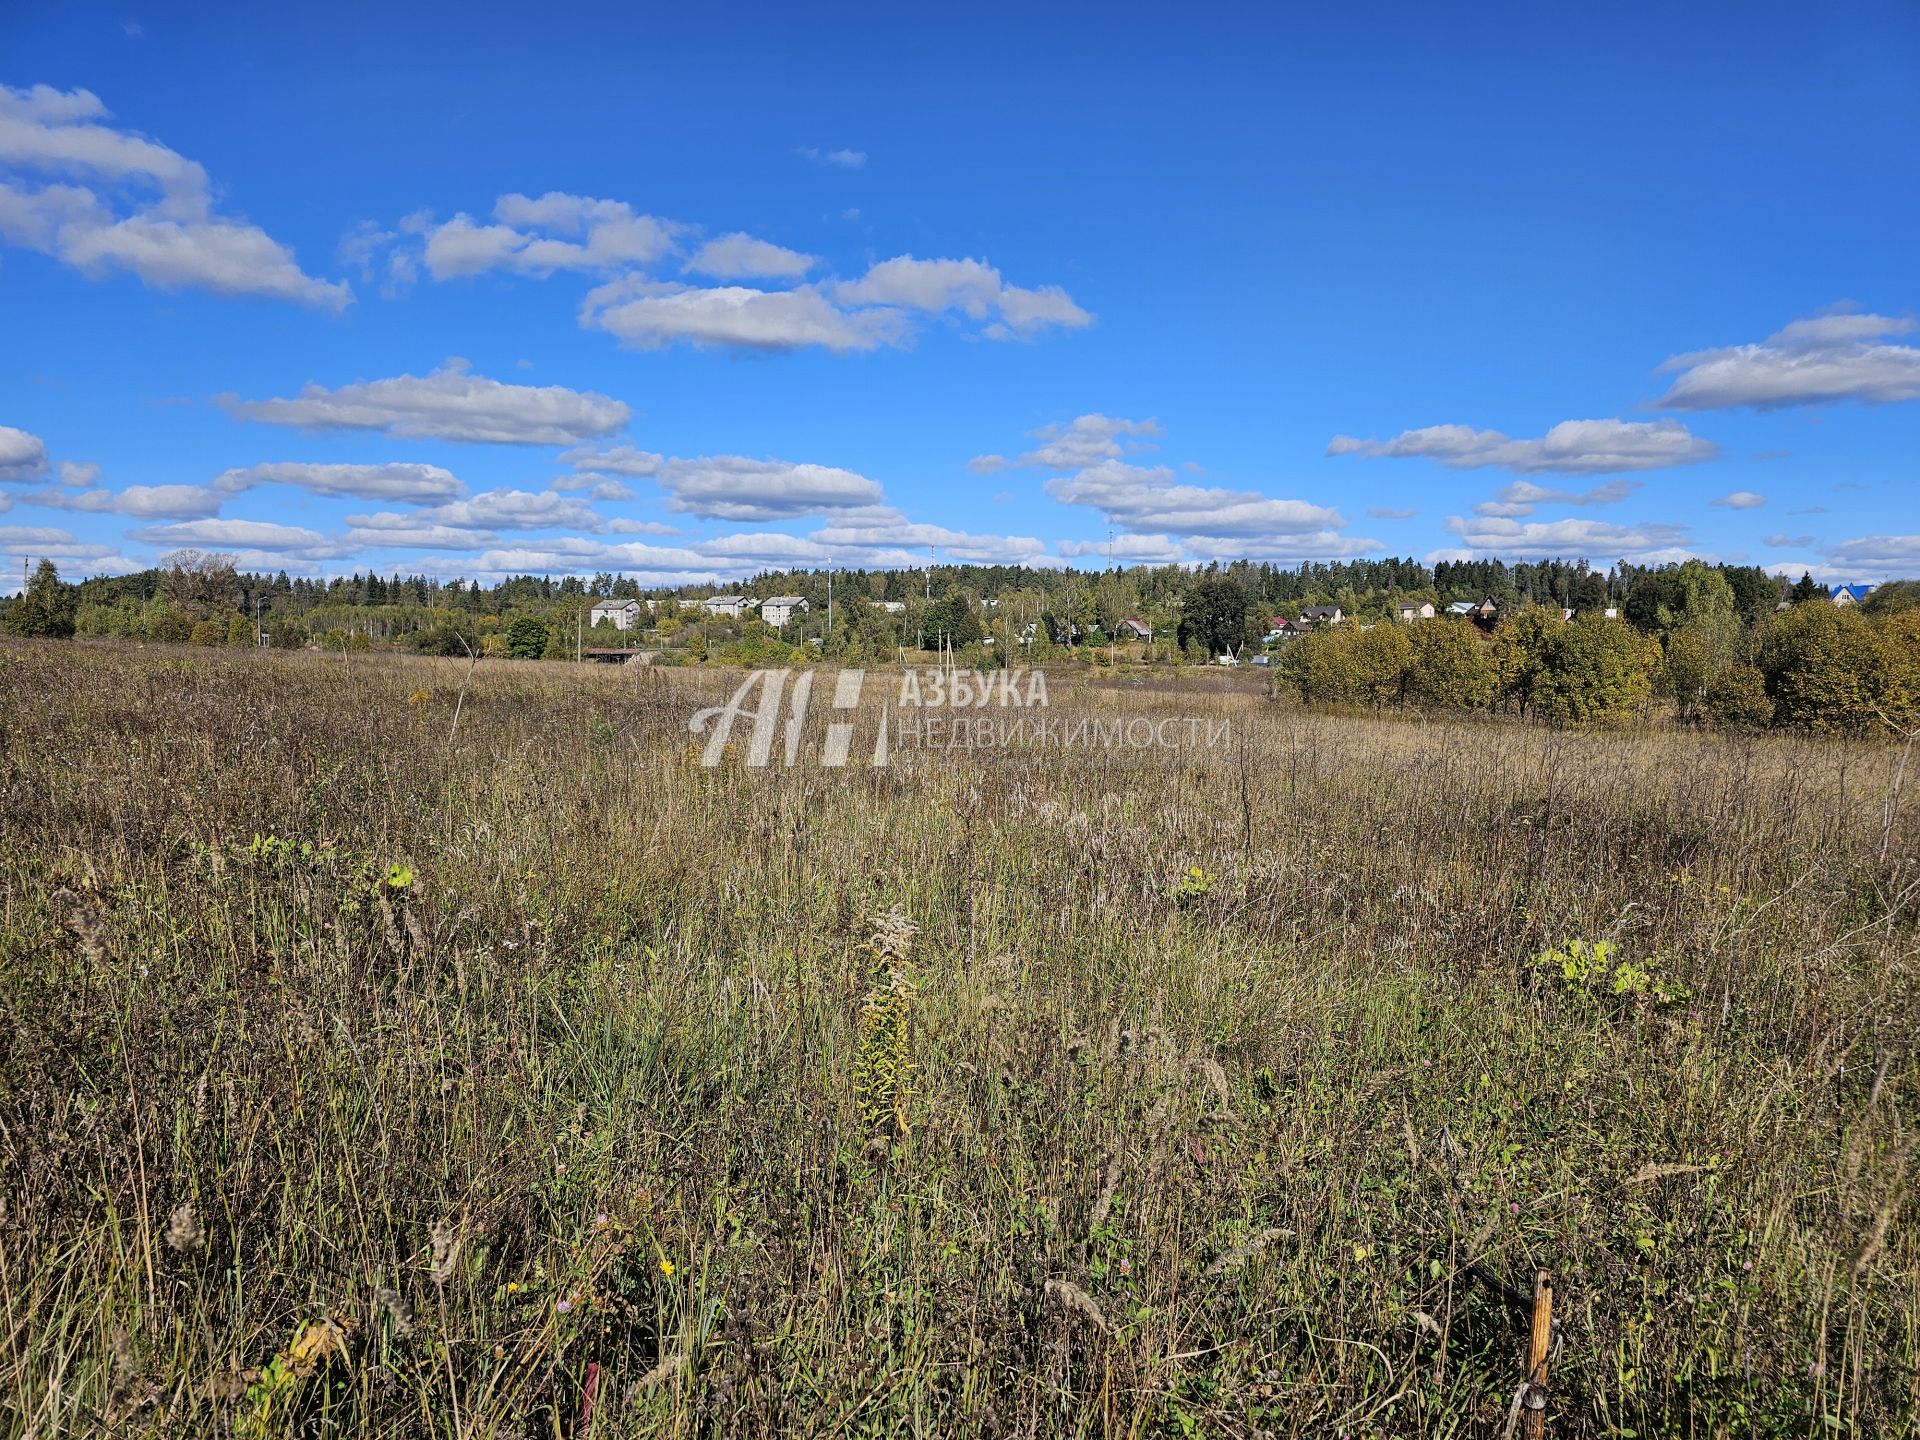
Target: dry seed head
x,y
666,1370
1217,1078
1072,1297
1103,1206
1231,1260
120,1348
183,1230
893,935
445,1244
388,1299
80,918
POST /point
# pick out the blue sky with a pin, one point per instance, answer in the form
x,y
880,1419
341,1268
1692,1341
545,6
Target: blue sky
x,y
687,292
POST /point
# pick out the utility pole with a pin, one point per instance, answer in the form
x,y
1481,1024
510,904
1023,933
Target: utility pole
x,y
829,639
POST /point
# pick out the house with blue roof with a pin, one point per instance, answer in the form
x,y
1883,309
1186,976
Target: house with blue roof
x,y
1848,594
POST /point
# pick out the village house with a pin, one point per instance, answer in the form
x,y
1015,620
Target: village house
x,y
1848,594
1281,628
1131,629
1322,615
731,606
893,607
1411,610
625,614
779,609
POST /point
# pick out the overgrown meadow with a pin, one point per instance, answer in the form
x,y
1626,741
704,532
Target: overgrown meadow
x,y
371,1074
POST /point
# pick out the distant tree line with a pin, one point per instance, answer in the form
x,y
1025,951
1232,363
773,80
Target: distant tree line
x,y
1844,669
1729,645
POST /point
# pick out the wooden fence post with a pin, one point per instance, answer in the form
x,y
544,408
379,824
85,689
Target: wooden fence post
x,y
1539,1343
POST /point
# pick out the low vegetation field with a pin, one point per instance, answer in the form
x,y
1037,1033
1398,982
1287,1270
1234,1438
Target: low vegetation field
x,y
371,1072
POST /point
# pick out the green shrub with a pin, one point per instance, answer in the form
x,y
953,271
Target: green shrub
x,y
1736,699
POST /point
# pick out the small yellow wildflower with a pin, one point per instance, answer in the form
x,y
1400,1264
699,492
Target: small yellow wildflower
x,y
666,1267
1361,1252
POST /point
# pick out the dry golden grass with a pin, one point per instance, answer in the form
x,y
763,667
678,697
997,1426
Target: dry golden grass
x,y
557,1127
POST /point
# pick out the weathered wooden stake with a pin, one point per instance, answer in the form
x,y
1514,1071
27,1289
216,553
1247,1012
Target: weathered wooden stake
x,y
1538,1345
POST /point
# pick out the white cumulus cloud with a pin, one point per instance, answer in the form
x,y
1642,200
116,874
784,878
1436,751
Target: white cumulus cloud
x,y
1523,497
413,484
146,502
265,536
889,539
1089,439
1573,447
614,460
740,257
1816,361
765,548
405,532
45,542
101,198
1286,549
1128,550
449,404
650,314
1877,555
648,564
492,510
1166,519
537,236
842,159
647,309
1569,539
1150,500
22,456
733,487
971,288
